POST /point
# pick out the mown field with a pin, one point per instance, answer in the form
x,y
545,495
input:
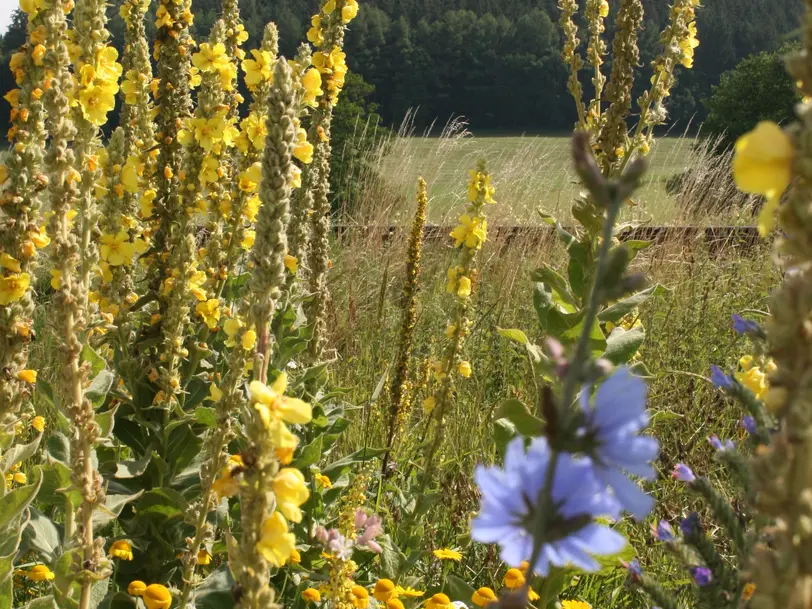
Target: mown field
x,y
533,172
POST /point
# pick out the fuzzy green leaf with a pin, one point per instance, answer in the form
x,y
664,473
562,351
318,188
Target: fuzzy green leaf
x,y
622,345
41,535
524,422
516,336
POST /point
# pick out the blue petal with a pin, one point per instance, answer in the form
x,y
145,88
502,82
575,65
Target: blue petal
x,y
620,398
598,539
490,530
633,453
516,548
573,554
634,500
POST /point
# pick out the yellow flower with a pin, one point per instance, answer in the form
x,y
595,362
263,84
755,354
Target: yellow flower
x,y
471,231
439,601
360,597
39,573
429,404
38,423
215,395
394,603
130,87
349,11
258,69
291,492
208,132
323,481
96,102
250,178
136,588
209,311
275,409
32,7
255,129
27,376
248,239
315,33
226,484
464,287
604,9
479,184
146,204
464,368
210,58
275,543
203,557
248,340
311,82
513,579
39,237
9,262
295,557
291,263
575,605
3,173
531,595
483,596
130,173
749,591
311,595
116,250
121,549
156,596
408,592
447,554
13,287
762,165
384,590
296,181
453,275
304,149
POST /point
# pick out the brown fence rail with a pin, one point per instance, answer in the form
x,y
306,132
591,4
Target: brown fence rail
x,y
741,236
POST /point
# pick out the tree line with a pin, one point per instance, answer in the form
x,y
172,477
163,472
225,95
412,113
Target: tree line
x,y
495,62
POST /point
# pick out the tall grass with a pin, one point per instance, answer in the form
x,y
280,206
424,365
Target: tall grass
x,y
688,330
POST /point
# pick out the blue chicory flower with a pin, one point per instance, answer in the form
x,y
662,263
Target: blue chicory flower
x,y
690,524
683,473
745,326
720,445
720,379
510,500
614,422
702,575
663,531
749,425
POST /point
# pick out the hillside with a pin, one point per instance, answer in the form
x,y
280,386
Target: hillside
x,y
496,61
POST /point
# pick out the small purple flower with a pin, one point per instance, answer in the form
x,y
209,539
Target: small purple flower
x,y
372,527
663,531
720,379
719,445
683,473
745,326
702,576
634,569
690,524
749,424
340,546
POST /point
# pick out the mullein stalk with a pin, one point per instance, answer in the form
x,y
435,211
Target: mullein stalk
x,y
329,60
173,244
92,36
137,135
462,278
266,284
572,57
781,564
271,245
400,395
21,203
70,318
625,59
302,203
596,11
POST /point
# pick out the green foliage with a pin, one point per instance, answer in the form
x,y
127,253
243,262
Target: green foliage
x,y
757,89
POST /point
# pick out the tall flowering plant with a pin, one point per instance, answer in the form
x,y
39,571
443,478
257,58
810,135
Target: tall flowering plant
x,y
577,463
